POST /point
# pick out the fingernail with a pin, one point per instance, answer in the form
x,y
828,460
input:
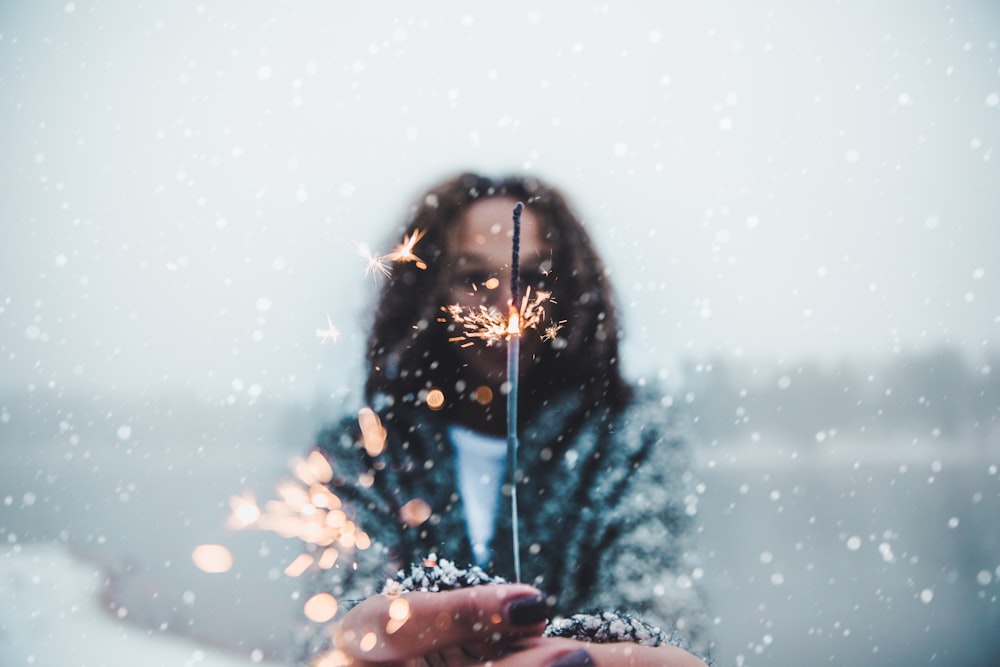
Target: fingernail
x,y
528,610
575,659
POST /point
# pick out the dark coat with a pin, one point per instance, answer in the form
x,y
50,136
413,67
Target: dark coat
x,y
605,508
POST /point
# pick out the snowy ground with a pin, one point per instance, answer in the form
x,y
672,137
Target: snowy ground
x,y
53,615
837,553
856,555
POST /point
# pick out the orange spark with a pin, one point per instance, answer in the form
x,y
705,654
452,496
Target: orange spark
x,y
244,511
332,658
552,330
320,608
376,264
415,512
299,565
404,251
435,399
399,614
212,558
368,642
484,395
372,433
328,559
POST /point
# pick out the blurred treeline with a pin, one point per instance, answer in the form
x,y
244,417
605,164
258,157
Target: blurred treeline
x,y
938,394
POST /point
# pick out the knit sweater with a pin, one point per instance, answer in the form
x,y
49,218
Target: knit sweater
x,y
605,509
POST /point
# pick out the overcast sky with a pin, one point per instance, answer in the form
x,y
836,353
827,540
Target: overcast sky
x,y
184,185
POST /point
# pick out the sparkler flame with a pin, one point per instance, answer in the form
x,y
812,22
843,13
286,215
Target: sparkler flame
x,y
491,326
514,322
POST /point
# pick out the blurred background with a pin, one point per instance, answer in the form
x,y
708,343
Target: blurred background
x,y
798,202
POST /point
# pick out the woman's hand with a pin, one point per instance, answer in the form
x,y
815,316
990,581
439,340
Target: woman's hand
x,y
560,652
499,625
462,627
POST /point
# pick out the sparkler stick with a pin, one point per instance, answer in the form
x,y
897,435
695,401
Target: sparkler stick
x,y
492,327
513,354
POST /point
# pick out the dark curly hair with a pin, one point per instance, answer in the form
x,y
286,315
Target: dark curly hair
x,y
409,351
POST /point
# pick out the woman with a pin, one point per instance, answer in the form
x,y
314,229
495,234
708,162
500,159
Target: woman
x,y
602,469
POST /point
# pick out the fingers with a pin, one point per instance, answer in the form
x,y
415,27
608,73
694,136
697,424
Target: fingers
x,y
389,629
558,652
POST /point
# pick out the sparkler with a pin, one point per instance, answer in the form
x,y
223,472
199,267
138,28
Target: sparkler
x,y
492,327
308,510
513,352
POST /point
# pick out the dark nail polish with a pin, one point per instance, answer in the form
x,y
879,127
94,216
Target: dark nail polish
x,y
528,611
575,659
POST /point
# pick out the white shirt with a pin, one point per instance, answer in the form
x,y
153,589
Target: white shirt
x,y
479,462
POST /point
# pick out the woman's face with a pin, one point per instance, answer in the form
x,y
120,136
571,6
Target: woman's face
x,y
479,275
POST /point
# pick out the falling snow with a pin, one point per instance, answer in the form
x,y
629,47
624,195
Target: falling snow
x,y
797,203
